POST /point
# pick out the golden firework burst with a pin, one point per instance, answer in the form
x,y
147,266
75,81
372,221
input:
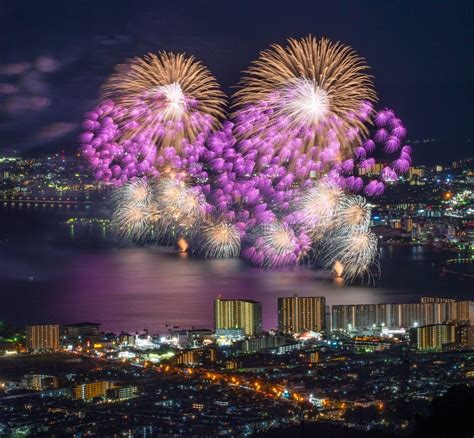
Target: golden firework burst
x,y
171,91
319,84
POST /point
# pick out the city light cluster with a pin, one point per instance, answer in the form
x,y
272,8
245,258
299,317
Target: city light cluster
x,y
276,181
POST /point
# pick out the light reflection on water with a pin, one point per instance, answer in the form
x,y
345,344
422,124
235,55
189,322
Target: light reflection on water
x,y
49,274
158,288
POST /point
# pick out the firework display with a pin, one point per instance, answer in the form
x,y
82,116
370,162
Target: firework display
x,y
308,101
155,116
172,97
276,244
279,181
220,240
165,210
355,252
133,213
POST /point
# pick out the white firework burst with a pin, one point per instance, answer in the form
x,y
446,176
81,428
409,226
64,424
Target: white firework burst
x,y
181,209
355,251
220,240
304,102
136,192
175,101
133,210
318,206
132,222
352,212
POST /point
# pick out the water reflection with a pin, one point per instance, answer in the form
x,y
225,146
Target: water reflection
x,y
49,274
153,287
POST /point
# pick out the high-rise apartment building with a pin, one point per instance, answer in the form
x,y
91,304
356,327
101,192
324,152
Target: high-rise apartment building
x,y
42,337
89,391
428,311
353,316
297,314
81,330
434,336
40,382
458,311
465,337
238,314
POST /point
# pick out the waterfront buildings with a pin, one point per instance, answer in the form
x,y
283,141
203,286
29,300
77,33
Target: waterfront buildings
x,y
81,330
353,316
42,337
297,314
428,311
461,311
238,314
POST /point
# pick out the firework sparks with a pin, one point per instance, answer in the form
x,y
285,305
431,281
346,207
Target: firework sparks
x,y
169,208
302,115
136,193
132,222
181,209
276,244
318,206
133,211
221,240
355,251
335,68
304,102
314,90
171,96
352,212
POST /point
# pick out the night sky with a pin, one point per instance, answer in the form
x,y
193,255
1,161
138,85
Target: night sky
x,y
55,55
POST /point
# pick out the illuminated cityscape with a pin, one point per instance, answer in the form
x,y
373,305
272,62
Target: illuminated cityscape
x,y
239,220
245,315
319,363
300,375
298,314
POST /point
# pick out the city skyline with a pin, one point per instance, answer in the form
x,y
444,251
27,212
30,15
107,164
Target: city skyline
x,y
243,220
242,317
295,370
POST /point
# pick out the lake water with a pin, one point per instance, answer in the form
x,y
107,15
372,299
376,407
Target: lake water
x,y
51,273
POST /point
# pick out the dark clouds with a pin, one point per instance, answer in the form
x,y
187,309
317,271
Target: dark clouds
x,y
56,53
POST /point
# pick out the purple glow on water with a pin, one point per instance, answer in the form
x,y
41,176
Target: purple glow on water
x,y
50,275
